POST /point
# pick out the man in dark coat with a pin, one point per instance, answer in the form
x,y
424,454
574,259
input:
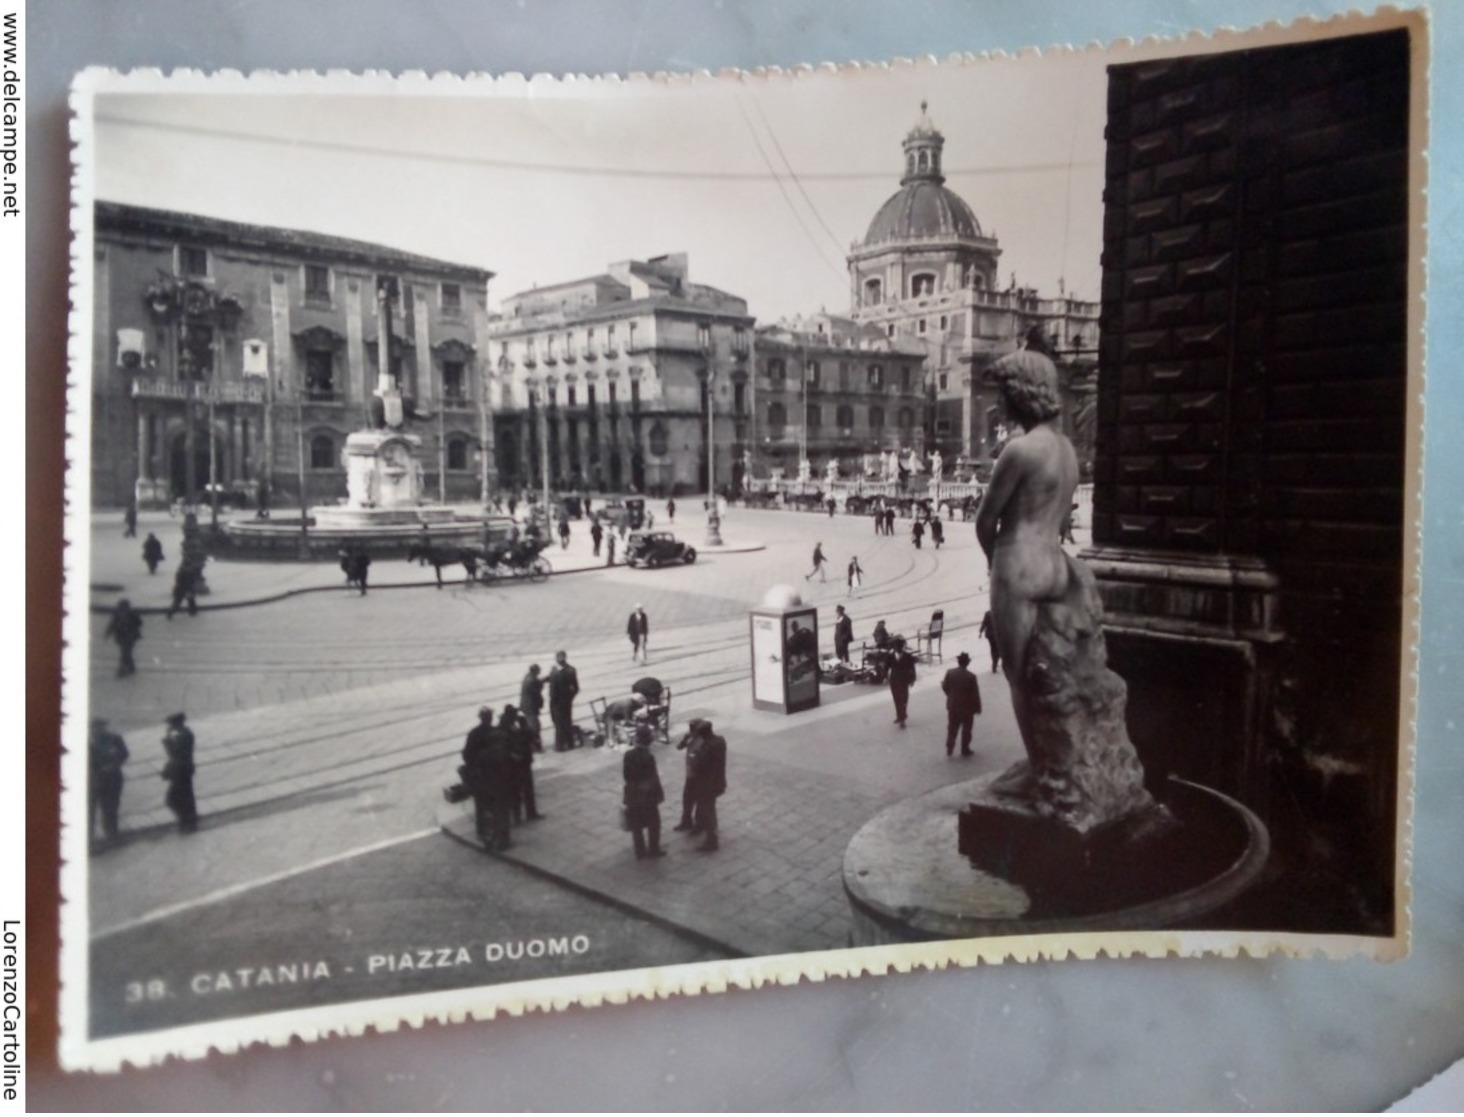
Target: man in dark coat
x,y
597,535
643,796
129,520
531,704
563,686
988,632
843,633
125,627
670,511
937,532
152,552
902,678
963,703
706,778
491,776
818,564
889,519
520,744
638,628
917,532
185,588
108,752
178,744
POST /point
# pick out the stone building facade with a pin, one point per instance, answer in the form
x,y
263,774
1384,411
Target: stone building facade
x,y
241,356
1249,502
831,389
926,274
607,382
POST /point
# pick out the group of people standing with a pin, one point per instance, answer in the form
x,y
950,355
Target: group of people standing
x,y
107,756
563,685
498,769
706,781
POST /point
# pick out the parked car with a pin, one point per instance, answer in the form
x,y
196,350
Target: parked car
x,y
656,548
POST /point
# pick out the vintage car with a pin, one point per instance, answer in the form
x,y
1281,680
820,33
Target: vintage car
x,y
656,548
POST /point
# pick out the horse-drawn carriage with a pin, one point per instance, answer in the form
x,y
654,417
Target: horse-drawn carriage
x,y
509,559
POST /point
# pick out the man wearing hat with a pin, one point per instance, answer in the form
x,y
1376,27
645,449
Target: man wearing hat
x,y
963,703
902,678
642,796
125,627
706,780
491,776
178,744
108,752
563,686
520,745
638,628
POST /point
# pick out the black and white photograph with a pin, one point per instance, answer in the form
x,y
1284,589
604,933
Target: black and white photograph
x,y
539,542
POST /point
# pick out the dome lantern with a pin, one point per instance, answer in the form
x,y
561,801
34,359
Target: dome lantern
x,y
923,144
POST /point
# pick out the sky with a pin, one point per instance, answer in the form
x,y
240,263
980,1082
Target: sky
x,y
766,180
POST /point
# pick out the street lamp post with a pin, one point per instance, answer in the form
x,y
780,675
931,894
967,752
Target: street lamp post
x,y
714,518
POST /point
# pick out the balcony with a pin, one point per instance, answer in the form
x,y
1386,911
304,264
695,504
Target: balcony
x,y
160,388
550,359
570,356
610,350
589,354
530,361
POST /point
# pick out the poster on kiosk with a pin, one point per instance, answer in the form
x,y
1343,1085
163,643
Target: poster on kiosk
x,y
784,642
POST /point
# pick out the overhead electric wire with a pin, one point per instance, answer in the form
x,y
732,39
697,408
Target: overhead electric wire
x,y
772,135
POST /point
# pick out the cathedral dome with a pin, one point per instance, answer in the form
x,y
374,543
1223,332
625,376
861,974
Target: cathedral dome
x,y
924,208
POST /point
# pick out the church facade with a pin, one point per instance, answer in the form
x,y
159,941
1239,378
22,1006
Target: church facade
x,y
926,274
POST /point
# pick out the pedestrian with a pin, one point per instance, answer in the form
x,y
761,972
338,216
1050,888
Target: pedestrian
x,y
818,564
563,686
843,633
520,746
129,519
531,704
185,588
889,521
125,627
597,535
107,753
564,533
917,531
902,678
671,511
512,506
622,712
880,635
152,552
706,780
878,520
832,505
178,771
638,628
937,532
643,796
856,575
963,703
489,773
988,631
610,549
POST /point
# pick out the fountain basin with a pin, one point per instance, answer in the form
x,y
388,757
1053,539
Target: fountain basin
x,y
907,881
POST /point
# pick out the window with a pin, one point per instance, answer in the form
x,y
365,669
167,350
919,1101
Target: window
x,y
777,371
590,396
630,336
811,374
777,420
610,340
814,417
845,417
945,323
452,299
322,452
876,418
906,420
942,381
319,374
549,357
922,285
634,395
876,377
454,383
920,326
905,379
573,393
192,261
739,399
195,351
942,426
317,284
704,336
890,330
658,439
739,341
843,377
457,453
612,397
873,292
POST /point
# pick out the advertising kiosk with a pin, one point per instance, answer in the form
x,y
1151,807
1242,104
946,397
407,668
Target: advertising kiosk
x,y
784,646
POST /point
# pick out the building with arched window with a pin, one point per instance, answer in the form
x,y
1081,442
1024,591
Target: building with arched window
x,y
926,274
243,355
607,382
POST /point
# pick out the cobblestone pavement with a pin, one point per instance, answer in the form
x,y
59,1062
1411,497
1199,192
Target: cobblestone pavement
x,y
327,723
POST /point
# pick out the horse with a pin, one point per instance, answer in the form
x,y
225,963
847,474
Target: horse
x,y
437,557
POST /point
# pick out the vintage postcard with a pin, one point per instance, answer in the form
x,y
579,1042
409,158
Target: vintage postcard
x,y
548,542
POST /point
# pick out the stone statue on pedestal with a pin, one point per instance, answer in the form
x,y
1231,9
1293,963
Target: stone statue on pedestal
x,y
1081,769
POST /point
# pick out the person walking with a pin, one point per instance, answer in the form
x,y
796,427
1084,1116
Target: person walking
x,y
185,588
638,628
642,796
902,678
129,520
519,742
707,776
671,511
597,535
963,703
531,705
152,552
107,752
178,771
490,775
610,549
832,505
818,564
988,632
937,532
917,532
563,686
843,634
889,521
564,533
856,575
125,627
